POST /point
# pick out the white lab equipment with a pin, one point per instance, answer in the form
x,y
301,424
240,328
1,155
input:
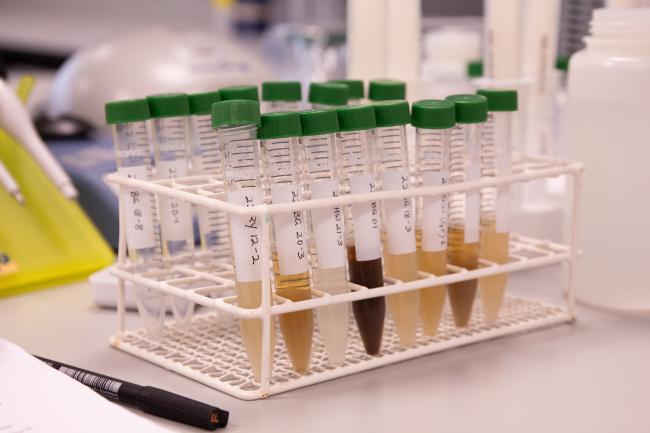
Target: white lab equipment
x,y
608,128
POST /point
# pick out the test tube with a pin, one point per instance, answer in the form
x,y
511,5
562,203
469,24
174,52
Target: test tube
x,y
206,160
279,134
495,201
281,96
386,90
171,153
356,93
321,179
327,95
400,256
464,207
433,120
133,159
363,236
236,122
243,92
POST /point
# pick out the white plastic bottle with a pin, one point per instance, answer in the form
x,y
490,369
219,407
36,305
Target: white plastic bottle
x,y
609,129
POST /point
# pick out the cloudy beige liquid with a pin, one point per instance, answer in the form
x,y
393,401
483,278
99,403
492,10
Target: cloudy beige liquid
x,y
333,319
462,294
404,307
249,295
495,248
298,327
432,299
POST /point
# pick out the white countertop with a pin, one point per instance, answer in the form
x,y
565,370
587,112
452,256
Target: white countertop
x,y
590,376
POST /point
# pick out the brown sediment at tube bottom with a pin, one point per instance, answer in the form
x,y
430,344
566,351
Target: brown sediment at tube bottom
x,y
368,313
463,293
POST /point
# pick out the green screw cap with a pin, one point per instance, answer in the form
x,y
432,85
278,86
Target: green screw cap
x,y
433,114
245,92
355,88
392,113
201,103
475,68
281,91
317,122
469,108
169,105
500,99
386,90
328,94
356,117
235,112
562,63
281,124
131,110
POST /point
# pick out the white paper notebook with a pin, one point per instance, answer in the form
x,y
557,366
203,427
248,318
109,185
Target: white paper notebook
x,y
36,398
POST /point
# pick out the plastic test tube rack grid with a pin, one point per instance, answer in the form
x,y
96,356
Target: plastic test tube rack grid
x,y
210,350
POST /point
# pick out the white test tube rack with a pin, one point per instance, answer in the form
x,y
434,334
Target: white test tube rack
x,y
210,351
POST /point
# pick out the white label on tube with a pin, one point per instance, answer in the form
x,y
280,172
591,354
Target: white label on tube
x,y
503,196
434,213
328,227
400,226
246,237
175,214
367,238
290,233
137,211
472,205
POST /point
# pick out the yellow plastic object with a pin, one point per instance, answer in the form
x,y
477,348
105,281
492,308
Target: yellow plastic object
x,y
49,240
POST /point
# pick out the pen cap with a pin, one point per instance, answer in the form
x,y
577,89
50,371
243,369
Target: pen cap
x,y
182,409
131,110
245,92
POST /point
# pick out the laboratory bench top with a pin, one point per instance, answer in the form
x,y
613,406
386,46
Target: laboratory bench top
x,y
589,376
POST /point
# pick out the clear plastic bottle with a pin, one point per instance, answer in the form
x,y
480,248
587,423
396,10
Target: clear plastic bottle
x,y
464,207
362,229
608,125
356,93
433,120
133,159
244,92
170,113
279,134
495,201
327,95
386,90
400,255
236,122
206,159
281,96
321,180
